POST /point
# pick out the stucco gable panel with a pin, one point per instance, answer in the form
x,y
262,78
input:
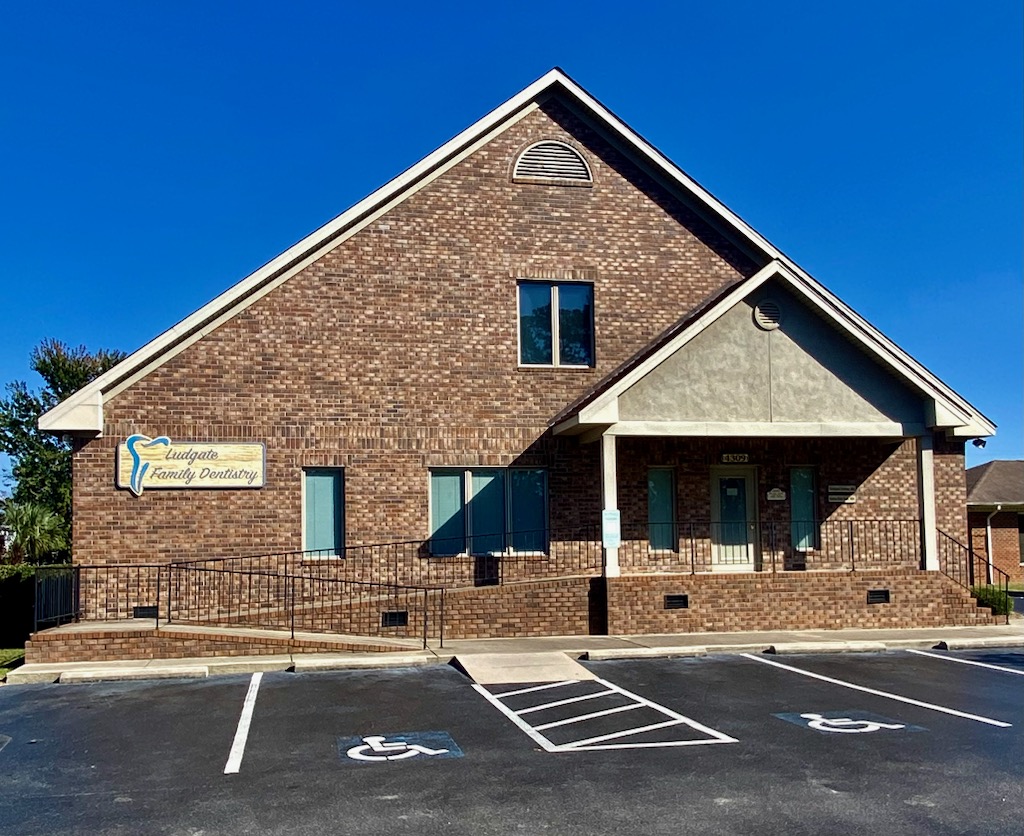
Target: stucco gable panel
x,y
805,371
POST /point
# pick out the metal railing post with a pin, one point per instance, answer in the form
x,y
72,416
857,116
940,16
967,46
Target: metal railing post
x,y
159,572
424,619
293,609
849,529
441,636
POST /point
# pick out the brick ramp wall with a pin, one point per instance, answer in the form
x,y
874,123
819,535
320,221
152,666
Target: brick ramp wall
x,y
532,608
53,646
790,601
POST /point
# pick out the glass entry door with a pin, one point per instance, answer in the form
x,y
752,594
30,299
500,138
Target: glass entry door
x,y
733,519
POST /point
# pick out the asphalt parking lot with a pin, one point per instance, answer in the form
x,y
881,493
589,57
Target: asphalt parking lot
x,y
896,742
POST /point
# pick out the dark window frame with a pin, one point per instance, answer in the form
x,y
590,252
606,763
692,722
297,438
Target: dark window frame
x,y
554,324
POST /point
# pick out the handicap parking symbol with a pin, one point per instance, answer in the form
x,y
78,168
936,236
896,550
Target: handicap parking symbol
x,y
399,746
846,722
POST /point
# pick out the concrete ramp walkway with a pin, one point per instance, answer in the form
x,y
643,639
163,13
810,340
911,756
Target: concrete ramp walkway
x,y
518,668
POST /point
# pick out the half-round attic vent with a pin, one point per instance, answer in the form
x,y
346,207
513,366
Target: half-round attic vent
x,y
767,315
550,160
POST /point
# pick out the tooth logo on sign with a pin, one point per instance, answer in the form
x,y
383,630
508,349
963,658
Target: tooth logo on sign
x,y
140,467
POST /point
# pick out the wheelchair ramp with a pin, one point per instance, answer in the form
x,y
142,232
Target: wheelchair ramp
x,y
519,668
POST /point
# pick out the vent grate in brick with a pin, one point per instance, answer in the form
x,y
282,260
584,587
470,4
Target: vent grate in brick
x,y
878,596
394,618
677,602
552,160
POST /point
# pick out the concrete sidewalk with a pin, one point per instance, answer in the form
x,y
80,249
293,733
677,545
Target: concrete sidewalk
x,y
590,647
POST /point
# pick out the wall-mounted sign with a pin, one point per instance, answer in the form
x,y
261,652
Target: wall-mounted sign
x,y
841,493
159,463
611,529
735,458
776,495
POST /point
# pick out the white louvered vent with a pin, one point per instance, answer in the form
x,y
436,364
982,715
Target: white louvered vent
x,y
552,161
767,315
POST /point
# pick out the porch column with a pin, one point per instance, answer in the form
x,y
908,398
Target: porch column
x,y
926,501
610,498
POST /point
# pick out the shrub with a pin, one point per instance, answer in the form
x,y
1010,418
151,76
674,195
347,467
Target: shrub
x,y
995,597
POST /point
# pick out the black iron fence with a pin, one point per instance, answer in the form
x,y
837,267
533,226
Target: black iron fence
x,y
482,560
235,597
706,546
989,584
57,595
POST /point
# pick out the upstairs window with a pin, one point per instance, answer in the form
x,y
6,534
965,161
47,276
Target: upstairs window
x,y
556,324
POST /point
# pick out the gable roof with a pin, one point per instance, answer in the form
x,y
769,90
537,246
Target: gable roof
x,y
83,411
949,411
998,482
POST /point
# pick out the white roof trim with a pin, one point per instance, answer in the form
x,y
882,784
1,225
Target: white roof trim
x,y
69,415
950,411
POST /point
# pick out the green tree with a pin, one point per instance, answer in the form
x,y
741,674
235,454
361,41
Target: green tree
x,y
40,462
36,532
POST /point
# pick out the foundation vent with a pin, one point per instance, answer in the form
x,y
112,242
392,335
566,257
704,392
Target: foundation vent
x,y
767,315
144,612
394,618
551,160
677,602
878,596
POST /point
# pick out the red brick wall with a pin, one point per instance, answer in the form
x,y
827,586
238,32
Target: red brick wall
x,y
789,601
1006,553
398,350
950,488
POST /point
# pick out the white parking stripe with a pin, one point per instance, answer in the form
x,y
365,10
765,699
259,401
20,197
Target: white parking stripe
x,y
591,716
967,662
593,743
242,732
625,733
504,694
557,703
536,736
878,693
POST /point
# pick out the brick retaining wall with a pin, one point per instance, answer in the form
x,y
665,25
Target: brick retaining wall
x,y
789,601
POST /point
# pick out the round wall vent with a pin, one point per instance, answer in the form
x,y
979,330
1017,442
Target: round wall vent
x,y
767,315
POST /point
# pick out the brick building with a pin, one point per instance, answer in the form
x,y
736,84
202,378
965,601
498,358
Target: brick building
x,y
543,320
995,515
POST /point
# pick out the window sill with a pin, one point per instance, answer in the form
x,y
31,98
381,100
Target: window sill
x,y
551,367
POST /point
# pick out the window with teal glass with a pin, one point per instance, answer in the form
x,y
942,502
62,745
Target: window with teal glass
x,y
803,508
661,508
556,324
487,510
324,510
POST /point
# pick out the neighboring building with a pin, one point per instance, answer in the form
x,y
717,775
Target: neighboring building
x,y
995,514
543,319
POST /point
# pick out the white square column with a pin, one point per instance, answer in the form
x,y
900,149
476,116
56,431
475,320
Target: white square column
x,y
926,501
610,498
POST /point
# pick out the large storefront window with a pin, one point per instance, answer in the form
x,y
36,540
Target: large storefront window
x,y
488,510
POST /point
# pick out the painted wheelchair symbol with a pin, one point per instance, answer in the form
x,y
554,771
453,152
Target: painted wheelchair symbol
x,y
846,725
374,748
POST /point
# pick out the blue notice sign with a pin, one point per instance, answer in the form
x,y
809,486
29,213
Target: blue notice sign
x,y
851,721
398,746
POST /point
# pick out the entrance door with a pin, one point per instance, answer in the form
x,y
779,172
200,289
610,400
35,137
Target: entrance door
x,y
733,519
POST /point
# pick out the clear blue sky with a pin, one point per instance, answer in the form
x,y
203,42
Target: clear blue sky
x,y
154,154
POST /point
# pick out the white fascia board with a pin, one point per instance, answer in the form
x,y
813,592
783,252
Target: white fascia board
x,y
83,416
297,256
596,411
956,407
767,429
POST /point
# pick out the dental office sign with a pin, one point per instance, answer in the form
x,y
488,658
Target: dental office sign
x,y
159,463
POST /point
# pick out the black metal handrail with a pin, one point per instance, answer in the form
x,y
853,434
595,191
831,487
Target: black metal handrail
x,y
989,584
771,546
448,562
227,596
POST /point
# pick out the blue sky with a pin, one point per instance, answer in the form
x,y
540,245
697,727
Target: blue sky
x,y
154,154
